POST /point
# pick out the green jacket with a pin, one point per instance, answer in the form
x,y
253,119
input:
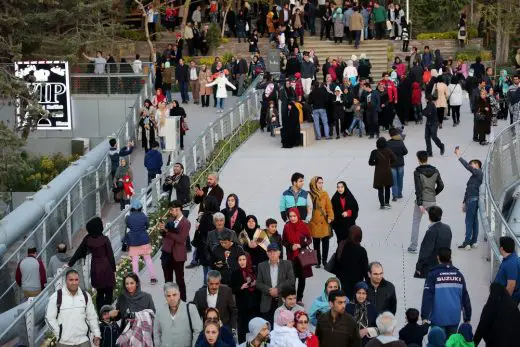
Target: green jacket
x,y
379,14
457,340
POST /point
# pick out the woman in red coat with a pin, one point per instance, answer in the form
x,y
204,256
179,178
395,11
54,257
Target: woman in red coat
x,y
301,323
296,235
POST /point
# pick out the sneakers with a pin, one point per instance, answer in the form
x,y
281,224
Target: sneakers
x,y
465,246
387,206
394,198
382,207
318,266
412,250
474,246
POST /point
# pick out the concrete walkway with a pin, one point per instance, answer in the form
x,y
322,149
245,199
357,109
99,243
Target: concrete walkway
x,y
260,170
198,119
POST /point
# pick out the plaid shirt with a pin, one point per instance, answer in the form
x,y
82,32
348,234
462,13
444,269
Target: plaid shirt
x,y
139,332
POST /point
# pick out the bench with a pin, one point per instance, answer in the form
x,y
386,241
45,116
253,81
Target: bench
x,y
306,132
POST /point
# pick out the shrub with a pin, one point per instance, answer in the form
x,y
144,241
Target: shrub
x,y
471,55
214,38
447,35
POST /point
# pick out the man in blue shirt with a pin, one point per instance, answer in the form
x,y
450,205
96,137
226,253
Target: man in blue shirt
x,y
509,272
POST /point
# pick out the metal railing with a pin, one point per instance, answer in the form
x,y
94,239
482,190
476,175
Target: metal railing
x,y
501,176
197,159
83,201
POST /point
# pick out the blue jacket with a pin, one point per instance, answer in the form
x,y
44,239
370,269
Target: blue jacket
x,y
444,296
288,201
137,223
153,161
474,182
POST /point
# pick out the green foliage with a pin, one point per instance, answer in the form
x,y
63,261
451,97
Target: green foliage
x,y
470,55
214,37
447,35
439,15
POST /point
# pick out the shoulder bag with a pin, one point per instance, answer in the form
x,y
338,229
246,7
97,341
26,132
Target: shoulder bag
x,y
333,261
326,218
307,257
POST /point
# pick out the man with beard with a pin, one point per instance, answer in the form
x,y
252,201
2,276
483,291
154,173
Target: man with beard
x,y
258,333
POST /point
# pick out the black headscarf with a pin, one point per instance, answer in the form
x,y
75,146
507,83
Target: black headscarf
x,y
177,110
251,232
95,227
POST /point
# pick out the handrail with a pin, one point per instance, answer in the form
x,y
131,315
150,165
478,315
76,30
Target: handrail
x,y
490,213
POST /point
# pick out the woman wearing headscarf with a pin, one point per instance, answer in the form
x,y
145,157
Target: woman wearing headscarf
x,y
339,102
499,320
321,303
268,95
212,316
346,210
291,127
382,158
148,125
352,262
441,103
235,216
205,92
201,233
438,60
178,111
322,217
161,114
339,28
131,300
295,237
363,312
211,336
243,284
483,117
301,323
102,263
256,247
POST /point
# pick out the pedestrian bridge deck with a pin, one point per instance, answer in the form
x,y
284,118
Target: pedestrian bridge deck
x,y
260,170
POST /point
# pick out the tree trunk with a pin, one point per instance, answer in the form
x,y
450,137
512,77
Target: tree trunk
x,y
499,33
186,13
228,6
146,32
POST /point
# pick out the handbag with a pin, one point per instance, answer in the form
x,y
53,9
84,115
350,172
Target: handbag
x,y
389,25
307,257
185,126
331,265
480,116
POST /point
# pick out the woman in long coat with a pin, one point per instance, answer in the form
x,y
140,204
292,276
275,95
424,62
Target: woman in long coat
x,y
383,159
200,239
148,125
102,264
483,117
322,216
346,210
339,28
291,127
205,92
352,265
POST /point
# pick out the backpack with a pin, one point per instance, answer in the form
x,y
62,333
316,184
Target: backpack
x,y
59,300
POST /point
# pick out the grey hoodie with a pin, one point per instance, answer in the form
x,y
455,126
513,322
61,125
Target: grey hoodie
x,y
428,183
56,262
255,326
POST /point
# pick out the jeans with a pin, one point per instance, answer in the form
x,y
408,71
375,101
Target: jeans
x,y
357,37
316,116
471,221
397,187
168,94
322,257
162,141
365,33
416,223
183,86
220,103
417,112
430,133
357,123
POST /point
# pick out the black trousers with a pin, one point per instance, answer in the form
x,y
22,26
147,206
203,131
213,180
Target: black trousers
x,y
322,256
455,113
269,315
169,266
204,99
104,296
430,133
384,195
298,274
380,29
440,114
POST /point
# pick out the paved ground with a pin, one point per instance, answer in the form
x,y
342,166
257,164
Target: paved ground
x,y
261,169
198,118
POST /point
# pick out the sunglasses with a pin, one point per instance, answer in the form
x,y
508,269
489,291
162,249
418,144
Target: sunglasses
x,y
303,322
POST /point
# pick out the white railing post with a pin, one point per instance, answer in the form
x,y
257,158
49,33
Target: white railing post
x,y
204,151
222,128
69,222
98,194
44,242
82,219
29,322
144,199
195,157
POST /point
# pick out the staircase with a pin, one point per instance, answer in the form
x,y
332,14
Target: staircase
x,y
375,50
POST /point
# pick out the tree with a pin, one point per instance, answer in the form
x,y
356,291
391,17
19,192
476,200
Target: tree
x,y
436,16
504,18
142,8
50,30
13,166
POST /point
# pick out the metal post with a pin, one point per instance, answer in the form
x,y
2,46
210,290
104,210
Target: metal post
x,y
407,11
144,199
82,217
195,158
69,221
44,242
204,151
29,323
98,195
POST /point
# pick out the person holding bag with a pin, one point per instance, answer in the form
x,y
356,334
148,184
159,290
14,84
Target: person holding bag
x,y
322,216
295,238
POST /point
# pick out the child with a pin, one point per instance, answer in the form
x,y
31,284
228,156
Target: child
x,y
405,35
463,337
109,329
271,226
357,121
417,102
413,332
273,118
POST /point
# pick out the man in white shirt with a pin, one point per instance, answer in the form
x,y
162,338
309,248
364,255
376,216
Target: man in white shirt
x,y
137,65
99,62
194,82
71,314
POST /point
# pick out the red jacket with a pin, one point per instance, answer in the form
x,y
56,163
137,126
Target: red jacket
x,y
391,89
43,275
174,240
312,341
416,93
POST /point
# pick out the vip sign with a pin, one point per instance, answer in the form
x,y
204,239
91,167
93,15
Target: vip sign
x,y
49,81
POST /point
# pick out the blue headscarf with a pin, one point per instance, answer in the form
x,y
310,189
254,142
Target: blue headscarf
x,y
436,337
321,303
